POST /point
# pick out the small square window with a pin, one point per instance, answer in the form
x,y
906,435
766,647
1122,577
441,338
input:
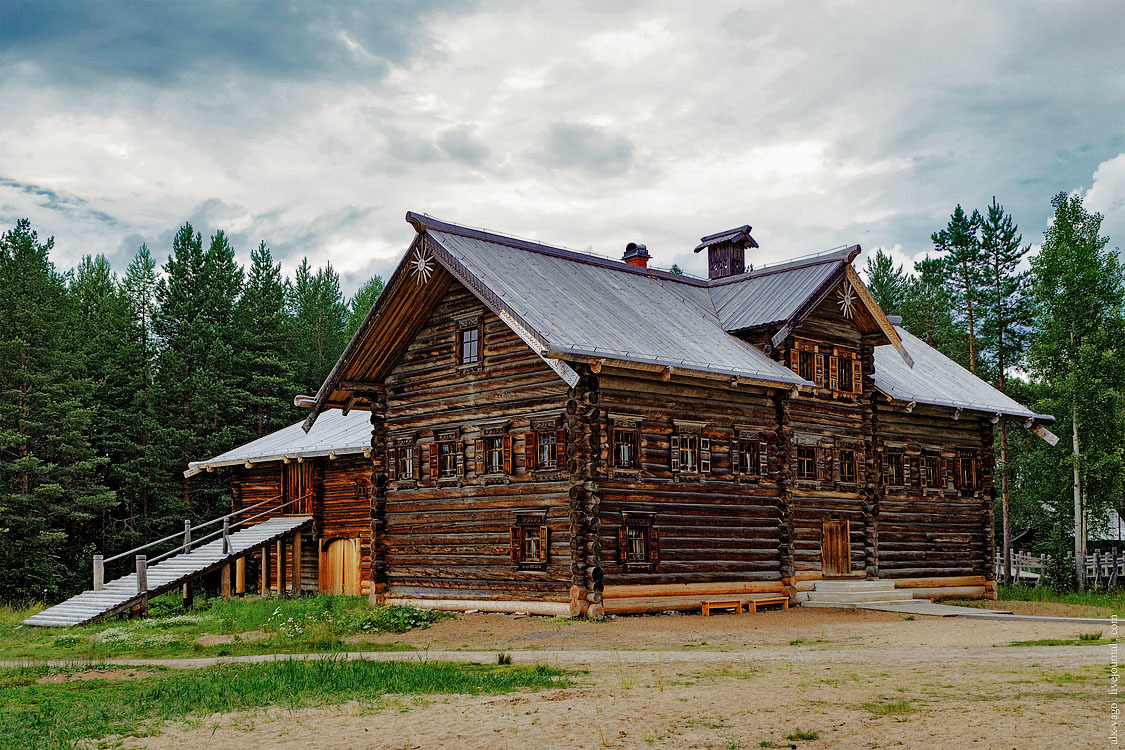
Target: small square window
x,y
547,457
895,474
625,449
468,345
494,455
749,457
847,466
806,463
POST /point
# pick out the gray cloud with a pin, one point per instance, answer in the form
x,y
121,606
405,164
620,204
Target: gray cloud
x,y
586,148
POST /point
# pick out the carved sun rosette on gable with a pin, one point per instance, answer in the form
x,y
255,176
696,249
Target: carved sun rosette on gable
x,y
845,298
423,264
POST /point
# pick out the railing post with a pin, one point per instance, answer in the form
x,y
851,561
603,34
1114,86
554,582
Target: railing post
x,y
99,572
187,535
226,536
1113,575
142,574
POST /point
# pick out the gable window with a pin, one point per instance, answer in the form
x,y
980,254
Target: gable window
x,y
806,365
930,471
806,463
896,476
843,375
470,339
806,359
847,466
638,540
529,540
545,446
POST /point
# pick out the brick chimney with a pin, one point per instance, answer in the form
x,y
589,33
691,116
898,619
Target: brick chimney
x,y
636,255
726,252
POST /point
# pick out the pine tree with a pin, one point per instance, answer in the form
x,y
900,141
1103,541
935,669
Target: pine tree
x,y
361,304
927,310
1078,296
51,493
319,320
1005,319
886,283
265,360
961,245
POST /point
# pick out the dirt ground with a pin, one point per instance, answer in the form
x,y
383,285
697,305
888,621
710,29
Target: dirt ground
x,y
772,679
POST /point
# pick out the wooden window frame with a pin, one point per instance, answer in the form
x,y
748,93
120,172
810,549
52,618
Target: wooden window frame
x,y
642,526
491,436
528,527
804,352
967,463
804,461
450,439
925,461
626,433
531,445
396,469
472,325
895,464
848,457
748,441
689,439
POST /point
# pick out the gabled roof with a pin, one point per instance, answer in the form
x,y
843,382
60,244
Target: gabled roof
x,y
738,234
937,380
334,432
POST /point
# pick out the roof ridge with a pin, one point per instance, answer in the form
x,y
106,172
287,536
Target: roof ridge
x,y
424,222
844,253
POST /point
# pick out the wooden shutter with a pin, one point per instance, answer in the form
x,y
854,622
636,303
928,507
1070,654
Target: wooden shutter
x,y
675,453
515,544
392,463
823,464
479,457
833,369
529,451
461,459
623,542
653,545
835,455
957,473
543,543
763,458
507,454
560,448
704,455
735,456
795,359
857,376
417,466
434,450
819,372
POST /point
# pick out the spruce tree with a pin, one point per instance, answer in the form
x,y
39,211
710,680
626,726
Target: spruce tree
x,y
927,310
264,357
361,304
961,245
319,320
1077,290
886,283
51,491
1005,319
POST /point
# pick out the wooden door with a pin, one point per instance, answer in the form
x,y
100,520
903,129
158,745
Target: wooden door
x,y
297,482
339,567
835,548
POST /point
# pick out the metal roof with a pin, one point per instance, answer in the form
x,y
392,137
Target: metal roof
x,y
771,295
587,309
937,380
334,432
741,233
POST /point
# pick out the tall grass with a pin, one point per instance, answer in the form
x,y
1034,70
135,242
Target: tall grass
x,y
1114,600
34,715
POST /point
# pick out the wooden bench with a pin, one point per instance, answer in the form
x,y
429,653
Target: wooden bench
x,y
753,604
709,604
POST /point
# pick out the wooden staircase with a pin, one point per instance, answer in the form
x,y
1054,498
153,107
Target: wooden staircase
x,y
174,570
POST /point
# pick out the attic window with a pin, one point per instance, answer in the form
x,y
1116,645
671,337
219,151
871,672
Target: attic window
x,y
470,339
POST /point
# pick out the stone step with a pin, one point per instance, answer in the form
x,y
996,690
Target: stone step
x,y
858,596
847,605
854,586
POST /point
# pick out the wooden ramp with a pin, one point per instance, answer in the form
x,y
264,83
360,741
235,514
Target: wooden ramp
x,y
121,594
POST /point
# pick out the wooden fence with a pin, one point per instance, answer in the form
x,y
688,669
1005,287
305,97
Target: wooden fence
x,y
1103,570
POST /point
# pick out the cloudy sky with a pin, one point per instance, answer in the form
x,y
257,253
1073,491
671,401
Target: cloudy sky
x,y
316,126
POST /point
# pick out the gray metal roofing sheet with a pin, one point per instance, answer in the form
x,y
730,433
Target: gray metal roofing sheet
x,y
937,379
770,297
334,432
591,308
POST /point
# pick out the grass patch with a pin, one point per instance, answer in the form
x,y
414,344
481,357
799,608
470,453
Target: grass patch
x,y
1079,641
900,710
245,625
801,735
35,715
1040,600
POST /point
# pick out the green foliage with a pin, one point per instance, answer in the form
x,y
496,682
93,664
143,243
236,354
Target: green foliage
x,y
962,257
886,283
361,304
37,715
319,320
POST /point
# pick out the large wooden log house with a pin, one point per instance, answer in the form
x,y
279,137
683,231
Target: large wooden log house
x,y
557,433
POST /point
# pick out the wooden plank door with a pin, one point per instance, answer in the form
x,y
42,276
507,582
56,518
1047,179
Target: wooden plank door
x,y
340,567
835,548
297,482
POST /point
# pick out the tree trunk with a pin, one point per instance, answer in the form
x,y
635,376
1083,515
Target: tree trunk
x,y
969,308
1079,527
